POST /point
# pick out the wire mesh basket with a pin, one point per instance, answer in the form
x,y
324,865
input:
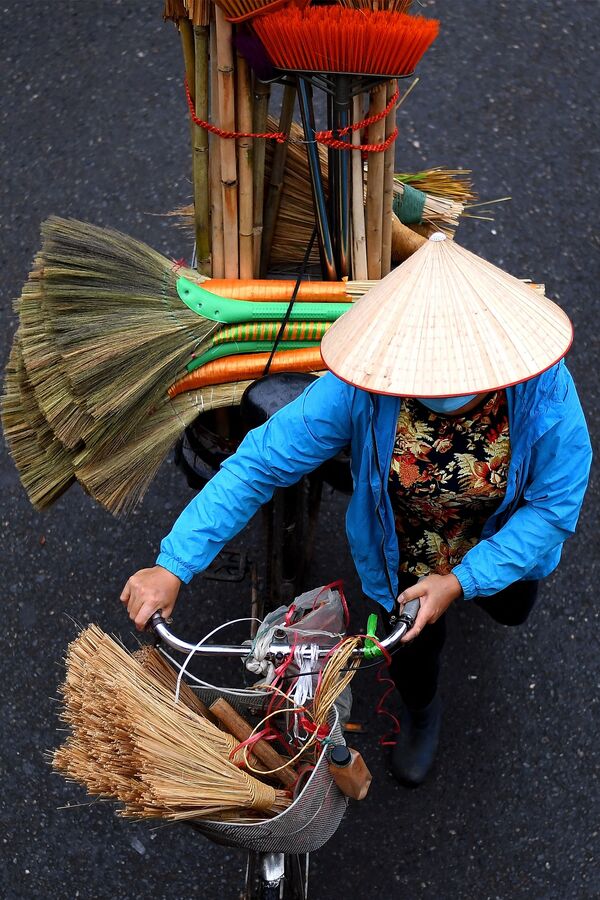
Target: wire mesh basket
x,y
307,823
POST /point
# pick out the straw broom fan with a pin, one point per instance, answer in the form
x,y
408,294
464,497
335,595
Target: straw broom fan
x,y
131,742
103,334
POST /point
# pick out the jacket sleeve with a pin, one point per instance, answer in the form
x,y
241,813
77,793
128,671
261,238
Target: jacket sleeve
x,y
553,495
294,441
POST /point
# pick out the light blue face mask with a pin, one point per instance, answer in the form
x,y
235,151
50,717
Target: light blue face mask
x,y
445,404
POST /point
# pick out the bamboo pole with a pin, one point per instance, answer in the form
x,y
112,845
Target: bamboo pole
x,y
388,185
229,182
262,94
245,153
359,238
214,158
201,162
277,177
375,178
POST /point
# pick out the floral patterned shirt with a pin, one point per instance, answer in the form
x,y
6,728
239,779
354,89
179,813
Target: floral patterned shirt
x,y
448,475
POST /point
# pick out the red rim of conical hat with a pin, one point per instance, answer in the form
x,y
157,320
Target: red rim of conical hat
x,y
446,323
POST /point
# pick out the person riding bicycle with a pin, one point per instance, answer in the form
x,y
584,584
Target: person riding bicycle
x,y
469,453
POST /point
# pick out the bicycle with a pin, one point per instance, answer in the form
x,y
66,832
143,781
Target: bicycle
x,y
279,848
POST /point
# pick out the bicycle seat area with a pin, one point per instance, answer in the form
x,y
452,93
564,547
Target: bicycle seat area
x,y
270,393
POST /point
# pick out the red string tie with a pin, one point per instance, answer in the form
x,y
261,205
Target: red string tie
x,y
278,136
178,264
327,138
321,732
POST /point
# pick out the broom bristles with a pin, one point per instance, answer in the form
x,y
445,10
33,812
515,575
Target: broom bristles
x,y
45,467
131,742
337,39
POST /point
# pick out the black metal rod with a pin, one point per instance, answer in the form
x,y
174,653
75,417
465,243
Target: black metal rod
x,y
342,99
328,266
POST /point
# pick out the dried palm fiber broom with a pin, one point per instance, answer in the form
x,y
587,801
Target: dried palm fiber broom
x,y
118,480
120,326
53,391
336,39
130,741
45,467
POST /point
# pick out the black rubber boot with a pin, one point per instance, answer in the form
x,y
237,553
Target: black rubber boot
x,y
417,743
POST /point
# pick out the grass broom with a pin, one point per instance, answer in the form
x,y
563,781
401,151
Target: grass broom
x,y
130,741
45,467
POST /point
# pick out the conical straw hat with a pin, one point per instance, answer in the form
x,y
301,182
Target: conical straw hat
x,y
446,323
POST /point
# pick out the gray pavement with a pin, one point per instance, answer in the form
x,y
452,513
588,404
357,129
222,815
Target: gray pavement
x,y
94,126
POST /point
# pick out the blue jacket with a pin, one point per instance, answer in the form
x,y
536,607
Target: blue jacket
x,y
548,474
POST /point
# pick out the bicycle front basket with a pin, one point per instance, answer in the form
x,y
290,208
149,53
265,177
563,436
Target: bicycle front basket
x,y
303,827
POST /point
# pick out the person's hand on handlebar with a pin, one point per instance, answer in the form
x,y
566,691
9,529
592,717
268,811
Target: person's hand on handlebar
x,y
436,593
150,591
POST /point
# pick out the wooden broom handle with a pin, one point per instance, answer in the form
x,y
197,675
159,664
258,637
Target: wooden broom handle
x,y
404,240
263,751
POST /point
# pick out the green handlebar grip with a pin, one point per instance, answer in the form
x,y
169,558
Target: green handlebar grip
x,y
222,309
229,349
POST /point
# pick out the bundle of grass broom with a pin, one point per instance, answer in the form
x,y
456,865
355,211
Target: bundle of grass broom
x,y
160,752
110,364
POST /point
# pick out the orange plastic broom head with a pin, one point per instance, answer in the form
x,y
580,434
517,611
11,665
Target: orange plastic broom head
x,y
337,39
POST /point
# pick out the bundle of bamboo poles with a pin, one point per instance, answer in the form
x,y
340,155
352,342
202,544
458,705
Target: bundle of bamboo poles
x,y
132,742
228,172
445,196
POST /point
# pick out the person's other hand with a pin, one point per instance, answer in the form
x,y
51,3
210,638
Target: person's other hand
x,y
436,593
150,591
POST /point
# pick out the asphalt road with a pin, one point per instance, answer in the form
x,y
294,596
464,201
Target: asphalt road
x,y
94,126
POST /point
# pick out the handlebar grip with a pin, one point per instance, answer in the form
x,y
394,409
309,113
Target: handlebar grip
x,y
409,613
155,621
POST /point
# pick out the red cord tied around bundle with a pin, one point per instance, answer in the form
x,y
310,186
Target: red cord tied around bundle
x,y
321,732
327,138
322,137
279,136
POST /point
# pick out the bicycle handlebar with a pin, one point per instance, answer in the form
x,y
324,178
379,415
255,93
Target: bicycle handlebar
x,y
279,649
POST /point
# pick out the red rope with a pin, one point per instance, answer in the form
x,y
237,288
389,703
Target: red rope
x,y
322,137
278,136
327,138
389,739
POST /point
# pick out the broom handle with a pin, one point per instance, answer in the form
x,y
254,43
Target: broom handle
x,y
245,153
375,177
263,751
405,241
359,238
216,197
308,120
228,150
388,186
200,167
342,100
262,94
276,181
